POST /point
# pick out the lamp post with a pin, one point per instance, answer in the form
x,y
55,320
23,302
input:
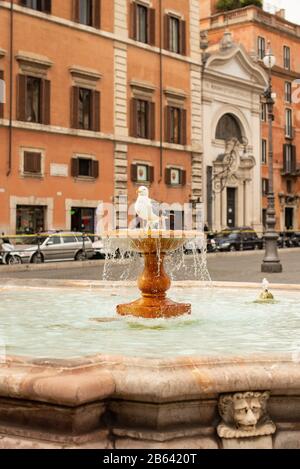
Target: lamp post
x,y
271,262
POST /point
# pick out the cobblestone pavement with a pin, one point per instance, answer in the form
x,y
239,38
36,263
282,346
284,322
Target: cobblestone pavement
x,y
244,267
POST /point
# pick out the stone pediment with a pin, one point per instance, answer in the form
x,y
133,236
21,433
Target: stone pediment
x,y
235,63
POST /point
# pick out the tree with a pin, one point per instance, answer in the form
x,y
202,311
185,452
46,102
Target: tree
x,y
227,5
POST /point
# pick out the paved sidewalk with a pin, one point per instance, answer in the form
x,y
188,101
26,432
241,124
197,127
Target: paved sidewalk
x,y
236,267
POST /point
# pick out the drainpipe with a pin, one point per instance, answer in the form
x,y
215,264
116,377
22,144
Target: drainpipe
x,y
11,64
161,92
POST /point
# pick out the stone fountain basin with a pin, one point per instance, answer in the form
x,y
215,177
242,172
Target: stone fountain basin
x,y
118,401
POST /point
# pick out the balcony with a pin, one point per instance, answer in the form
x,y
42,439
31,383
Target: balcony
x,y
290,171
254,14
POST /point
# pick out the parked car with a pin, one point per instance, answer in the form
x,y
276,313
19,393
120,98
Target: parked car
x,y
238,239
295,240
58,246
98,248
285,239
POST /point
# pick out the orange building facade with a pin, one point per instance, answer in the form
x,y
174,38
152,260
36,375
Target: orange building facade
x,y
101,97
253,28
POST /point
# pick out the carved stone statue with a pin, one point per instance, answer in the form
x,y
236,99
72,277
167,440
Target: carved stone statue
x,y
245,415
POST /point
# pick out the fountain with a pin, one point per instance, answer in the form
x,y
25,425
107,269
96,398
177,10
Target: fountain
x,y
226,377
154,281
266,296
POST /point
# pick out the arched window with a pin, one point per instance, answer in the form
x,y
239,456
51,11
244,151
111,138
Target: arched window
x,y
228,127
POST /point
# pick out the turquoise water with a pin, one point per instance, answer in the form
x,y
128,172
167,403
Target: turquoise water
x,y
59,323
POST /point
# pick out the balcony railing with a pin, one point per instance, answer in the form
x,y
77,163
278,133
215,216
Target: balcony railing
x,y
290,132
252,13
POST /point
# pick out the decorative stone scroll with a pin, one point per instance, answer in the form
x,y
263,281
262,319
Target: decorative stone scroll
x,y
244,415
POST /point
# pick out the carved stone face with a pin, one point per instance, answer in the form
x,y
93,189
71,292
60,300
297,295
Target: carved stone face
x,y
247,412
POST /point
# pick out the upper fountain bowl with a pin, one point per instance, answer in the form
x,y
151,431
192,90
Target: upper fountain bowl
x,y
152,241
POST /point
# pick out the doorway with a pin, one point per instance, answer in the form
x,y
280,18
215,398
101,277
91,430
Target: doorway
x,y
83,219
231,198
289,218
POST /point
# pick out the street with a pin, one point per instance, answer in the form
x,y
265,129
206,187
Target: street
x,y
236,267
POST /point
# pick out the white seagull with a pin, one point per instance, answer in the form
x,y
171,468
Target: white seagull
x,y
145,208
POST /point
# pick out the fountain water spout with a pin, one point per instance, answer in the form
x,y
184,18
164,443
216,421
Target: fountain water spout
x,y
266,295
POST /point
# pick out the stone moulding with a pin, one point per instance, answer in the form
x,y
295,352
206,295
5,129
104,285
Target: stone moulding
x,y
245,415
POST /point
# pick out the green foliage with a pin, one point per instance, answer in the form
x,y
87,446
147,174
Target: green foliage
x,y
226,5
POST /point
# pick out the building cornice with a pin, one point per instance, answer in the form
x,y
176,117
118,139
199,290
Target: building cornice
x,y
51,129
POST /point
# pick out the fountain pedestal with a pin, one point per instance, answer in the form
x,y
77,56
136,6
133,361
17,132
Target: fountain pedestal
x,y
154,283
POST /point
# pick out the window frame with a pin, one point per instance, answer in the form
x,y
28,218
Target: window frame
x,y
288,123
286,57
264,151
261,47
288,92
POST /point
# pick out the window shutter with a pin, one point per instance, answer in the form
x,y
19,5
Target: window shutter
x,y
183,37
133,118
133,18
152,121
76,10
183,127
151,174
95,169
75,167
75,107
21,101
168,124
96,13
37,163
167,32
45,100
151,22
168,176
1,104
183,178
284,158
47,6
294,160
95,107
27,166
133,171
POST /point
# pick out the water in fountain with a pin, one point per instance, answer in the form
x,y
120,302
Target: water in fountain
x,y
122,264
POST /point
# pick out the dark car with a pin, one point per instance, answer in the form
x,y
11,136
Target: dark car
x,y
295,240
238,240
285,239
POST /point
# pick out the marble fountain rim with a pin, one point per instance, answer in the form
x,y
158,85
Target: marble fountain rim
x,y
76,382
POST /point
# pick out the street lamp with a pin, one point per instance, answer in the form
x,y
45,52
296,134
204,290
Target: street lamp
x,y
271,262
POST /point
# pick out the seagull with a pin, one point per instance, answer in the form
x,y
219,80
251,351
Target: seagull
x,y
145,208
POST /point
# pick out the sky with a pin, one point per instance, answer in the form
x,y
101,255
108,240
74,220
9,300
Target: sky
x,y
292,8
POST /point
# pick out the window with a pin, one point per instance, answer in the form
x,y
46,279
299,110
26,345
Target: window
x,y
69,239
228,127
289,159
289,123
264,151
174,45
88,12
143,23
142,173
143,119
39,5
288,92
56,239
85,167
30,219
286,57
264,112
175,177
176,125
85,111
33,99
261,47
32,163
265,186
175,35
